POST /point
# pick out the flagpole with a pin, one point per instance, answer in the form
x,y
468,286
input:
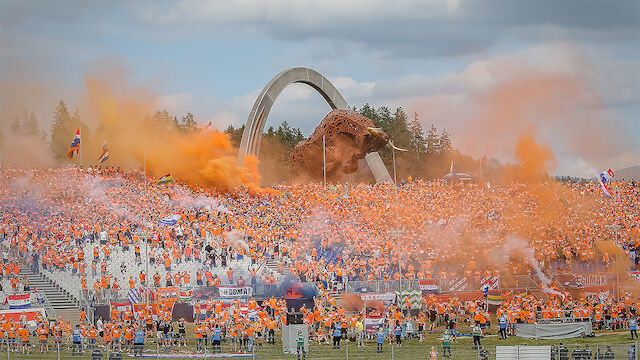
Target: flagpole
x,y
80,134
324,161
146,240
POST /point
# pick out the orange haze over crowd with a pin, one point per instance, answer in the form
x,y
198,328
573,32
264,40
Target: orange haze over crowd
x,y
205,157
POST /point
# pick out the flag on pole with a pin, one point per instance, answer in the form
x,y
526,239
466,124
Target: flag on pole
x,y
75,145
134,296
603,179
105,153
20,301
167,178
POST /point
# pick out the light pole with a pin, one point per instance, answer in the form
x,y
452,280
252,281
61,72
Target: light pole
x,y
324,161
395,180
146,268
397,234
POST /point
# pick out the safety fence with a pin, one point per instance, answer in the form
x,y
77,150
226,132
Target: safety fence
x,y
193,348
447,285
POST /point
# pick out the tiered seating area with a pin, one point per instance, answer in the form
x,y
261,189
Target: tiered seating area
x,y
72,283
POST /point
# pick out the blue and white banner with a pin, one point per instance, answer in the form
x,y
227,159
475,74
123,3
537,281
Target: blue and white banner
x,y
21,301
170,220
134,296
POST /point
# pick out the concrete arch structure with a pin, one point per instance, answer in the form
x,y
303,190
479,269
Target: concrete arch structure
x,y
252,135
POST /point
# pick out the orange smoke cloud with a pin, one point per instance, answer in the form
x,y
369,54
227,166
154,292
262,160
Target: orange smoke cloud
x,y
497,101
124,117
534,160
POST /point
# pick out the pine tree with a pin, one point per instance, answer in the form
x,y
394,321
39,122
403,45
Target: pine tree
x,y
271,132
399,129
62,131
30,124
384,118
187,123
445,142
235,134
15,125
370,113
418,143
161,122
433,141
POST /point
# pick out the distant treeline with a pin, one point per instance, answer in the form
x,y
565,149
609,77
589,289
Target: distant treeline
x,y
430,152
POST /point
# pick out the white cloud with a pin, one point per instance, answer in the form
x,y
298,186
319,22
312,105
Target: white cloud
x,y
175,103
348,86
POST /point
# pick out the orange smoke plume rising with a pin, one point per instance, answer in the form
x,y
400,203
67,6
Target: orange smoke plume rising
x,y
535,160
124,117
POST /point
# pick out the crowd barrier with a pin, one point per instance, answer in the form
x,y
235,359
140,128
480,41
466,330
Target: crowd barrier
x,y
204,349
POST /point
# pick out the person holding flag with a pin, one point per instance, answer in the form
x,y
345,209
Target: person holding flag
x,y
603,178
105,153
75,145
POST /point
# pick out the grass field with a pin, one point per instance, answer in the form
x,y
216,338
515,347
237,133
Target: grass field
x,y
461,349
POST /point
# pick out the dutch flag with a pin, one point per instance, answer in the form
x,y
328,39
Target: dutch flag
x,y
75,145
603,178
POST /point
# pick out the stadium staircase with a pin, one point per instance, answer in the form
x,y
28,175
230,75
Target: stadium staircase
x,y
57,301
272,265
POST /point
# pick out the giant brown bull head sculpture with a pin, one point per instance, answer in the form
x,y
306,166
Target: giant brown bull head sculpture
x,y
348,136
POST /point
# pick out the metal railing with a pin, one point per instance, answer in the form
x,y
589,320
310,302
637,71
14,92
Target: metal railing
x,y
51,312
382,286
505,283
87,305
204,348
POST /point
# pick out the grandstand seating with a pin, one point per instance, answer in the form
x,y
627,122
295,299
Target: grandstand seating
x,y
72,285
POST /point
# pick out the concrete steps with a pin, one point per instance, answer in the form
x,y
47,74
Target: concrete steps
x,y
58,299
272,265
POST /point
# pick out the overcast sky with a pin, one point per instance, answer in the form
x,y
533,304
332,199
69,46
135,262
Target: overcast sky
x,y
454,62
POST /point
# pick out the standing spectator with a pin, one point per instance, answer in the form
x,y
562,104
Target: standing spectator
x,y
446,344
563,352
398,333
433,354
380,339
477,334
77,340
215,338
337,335
138,342
300,346
503,326
360,333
